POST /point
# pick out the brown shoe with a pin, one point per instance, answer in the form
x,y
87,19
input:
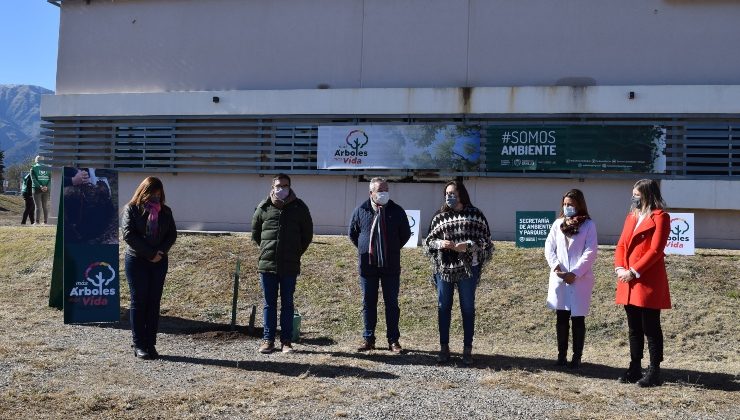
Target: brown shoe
x,y
287,348
366,345
267,346
395,347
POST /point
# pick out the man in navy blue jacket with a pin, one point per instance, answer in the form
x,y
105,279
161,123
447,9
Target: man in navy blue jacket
x,y
379,229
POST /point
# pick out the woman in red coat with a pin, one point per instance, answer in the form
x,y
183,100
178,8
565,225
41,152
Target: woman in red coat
x,y
642,283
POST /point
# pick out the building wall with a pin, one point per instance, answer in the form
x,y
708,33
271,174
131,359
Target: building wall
x,y
195,45
227,202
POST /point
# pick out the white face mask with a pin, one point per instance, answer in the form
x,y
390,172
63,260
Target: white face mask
x,y
569,211
381,197
282,193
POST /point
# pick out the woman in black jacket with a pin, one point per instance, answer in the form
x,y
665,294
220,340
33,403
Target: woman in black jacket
x,y
149,231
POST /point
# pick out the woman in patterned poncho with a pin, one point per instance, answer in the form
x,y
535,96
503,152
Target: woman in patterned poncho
x,y
459,245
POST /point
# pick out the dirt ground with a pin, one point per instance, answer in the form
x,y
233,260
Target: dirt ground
x,y
52,370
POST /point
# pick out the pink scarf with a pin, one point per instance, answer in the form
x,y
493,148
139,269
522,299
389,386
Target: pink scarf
x,y
152,222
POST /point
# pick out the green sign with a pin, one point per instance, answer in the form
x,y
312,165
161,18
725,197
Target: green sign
x,y
86,252
532,228
580,148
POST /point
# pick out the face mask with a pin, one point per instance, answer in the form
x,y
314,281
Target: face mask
x,y
569,211
282,193
635,201
451,200
382,197
154,200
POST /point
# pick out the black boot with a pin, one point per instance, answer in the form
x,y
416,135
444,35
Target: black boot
x,y
579,337
651,378
562,329
632,374
444,354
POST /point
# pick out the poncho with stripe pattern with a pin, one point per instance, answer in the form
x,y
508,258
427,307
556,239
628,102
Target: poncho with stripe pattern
x,y
468,225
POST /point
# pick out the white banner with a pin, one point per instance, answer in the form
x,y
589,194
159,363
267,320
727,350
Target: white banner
x,y
399,147
414,217
681,238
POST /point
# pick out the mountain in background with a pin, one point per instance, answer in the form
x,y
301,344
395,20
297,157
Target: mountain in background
x,y
20,121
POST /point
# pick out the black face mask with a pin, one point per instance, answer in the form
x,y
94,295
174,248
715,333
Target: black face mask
x,y
635,201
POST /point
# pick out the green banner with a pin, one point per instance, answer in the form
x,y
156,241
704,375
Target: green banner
x,y
580,148
532,228
56,289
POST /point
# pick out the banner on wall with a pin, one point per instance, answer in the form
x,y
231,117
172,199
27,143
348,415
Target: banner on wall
x,y
453,147
576,148
414,217
87,231
681,238
532,228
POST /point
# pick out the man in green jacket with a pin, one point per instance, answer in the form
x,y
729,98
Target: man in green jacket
x,y
283,229
41,180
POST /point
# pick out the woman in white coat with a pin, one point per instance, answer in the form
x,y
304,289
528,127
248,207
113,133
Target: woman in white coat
x,y
570,251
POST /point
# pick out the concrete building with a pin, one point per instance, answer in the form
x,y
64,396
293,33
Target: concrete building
x,y
216,96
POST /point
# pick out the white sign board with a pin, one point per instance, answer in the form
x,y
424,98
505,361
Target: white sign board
x,y
681,238
414,217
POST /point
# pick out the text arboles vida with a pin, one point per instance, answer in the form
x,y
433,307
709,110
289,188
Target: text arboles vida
x,y
91,296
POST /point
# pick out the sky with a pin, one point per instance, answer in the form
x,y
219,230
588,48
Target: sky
x,y
29,37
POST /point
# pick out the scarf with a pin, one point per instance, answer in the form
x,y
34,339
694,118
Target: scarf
x,y
152,222
378,236
468,225
570,225
282,203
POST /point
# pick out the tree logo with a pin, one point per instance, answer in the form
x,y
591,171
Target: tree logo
x,y
352,152
100,269
412,221
357,139
679,227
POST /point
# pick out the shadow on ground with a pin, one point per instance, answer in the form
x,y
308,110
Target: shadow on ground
x,y
286,368
222,332
215,331
685,377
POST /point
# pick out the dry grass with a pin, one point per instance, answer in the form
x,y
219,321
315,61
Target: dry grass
x,y
515,334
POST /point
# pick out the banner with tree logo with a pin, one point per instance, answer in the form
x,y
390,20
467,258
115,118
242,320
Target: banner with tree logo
x,y
88,223
454,147
681,238
583,148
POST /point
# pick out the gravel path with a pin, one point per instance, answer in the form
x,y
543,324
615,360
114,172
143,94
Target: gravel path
x,y
220,375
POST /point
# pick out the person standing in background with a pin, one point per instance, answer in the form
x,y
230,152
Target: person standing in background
x,y
41,180
642,282
570,250
27,191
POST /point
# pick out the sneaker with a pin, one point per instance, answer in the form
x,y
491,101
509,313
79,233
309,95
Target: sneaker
x,y
366,345
467,355
287,348
395,347
267,346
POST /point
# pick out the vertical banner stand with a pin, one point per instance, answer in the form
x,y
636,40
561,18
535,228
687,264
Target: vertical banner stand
x,y
56,290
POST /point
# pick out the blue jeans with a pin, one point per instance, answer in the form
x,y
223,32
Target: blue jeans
x,y
272,284
445,292
145,282
391,285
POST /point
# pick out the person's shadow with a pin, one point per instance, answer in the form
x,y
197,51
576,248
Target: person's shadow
x,y
282,367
